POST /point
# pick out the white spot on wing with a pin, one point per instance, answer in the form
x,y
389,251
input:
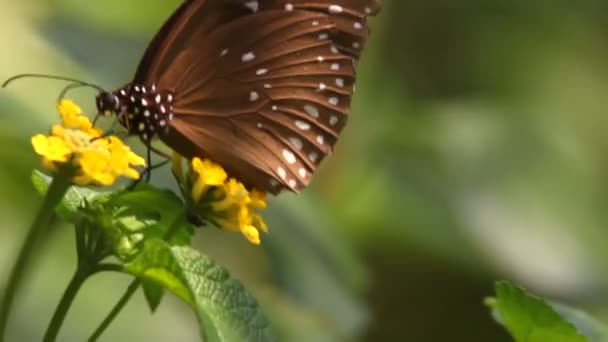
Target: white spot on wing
x,y
296,142
281,172
333,120
303,125
248,57
312,110
289,156
334,9
252,5
313,156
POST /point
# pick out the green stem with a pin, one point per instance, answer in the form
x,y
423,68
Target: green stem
x,y
82,273
55,193
115,310
177,223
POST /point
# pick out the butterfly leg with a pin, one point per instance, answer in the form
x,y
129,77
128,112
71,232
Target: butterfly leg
x,y
107,133
147,172
152,167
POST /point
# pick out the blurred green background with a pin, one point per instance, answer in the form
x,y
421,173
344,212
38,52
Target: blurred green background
x,y
476,150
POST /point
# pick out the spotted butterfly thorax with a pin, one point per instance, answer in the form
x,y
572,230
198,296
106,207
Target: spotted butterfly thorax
x,y
261,87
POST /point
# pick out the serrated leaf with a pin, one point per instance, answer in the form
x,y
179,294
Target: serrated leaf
x,y
225,311
529,318
73,198
153,292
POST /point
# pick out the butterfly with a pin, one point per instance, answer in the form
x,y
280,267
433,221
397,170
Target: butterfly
x,y
262,88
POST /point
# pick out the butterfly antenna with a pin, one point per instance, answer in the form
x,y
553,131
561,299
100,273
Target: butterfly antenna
x,y
69,87
51,77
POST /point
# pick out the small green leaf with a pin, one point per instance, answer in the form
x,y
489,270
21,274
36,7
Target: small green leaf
x,y
226,312
153,293
529,318
162,206
128,218
73,198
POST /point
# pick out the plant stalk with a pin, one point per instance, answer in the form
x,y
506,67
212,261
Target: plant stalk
x,y
82,273
55,193
122,302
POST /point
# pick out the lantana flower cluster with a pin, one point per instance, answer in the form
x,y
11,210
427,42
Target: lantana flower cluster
x,y
223,201
79,147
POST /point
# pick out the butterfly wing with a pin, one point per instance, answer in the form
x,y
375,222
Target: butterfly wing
x,y
173,37
265,92
349,16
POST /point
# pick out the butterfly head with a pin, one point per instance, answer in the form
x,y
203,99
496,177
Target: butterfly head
x,y
107,103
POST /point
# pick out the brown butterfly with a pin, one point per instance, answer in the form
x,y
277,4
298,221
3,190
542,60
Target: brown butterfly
x,y
261,87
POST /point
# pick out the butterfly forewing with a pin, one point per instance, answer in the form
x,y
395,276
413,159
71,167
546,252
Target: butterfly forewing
x,y
202,16
261,87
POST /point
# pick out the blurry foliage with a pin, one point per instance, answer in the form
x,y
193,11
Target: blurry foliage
x,y
476,149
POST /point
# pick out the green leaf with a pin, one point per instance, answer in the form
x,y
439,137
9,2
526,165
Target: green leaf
x,y
595,330
73,199
163,207
529,318
153,293
129,217
225,311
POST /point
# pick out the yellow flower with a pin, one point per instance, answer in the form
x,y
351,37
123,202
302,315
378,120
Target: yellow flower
x,y
72,117
76,145
224,201
53,148
207,174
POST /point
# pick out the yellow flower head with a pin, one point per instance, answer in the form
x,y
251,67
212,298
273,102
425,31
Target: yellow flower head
x,y
224,201
76,145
